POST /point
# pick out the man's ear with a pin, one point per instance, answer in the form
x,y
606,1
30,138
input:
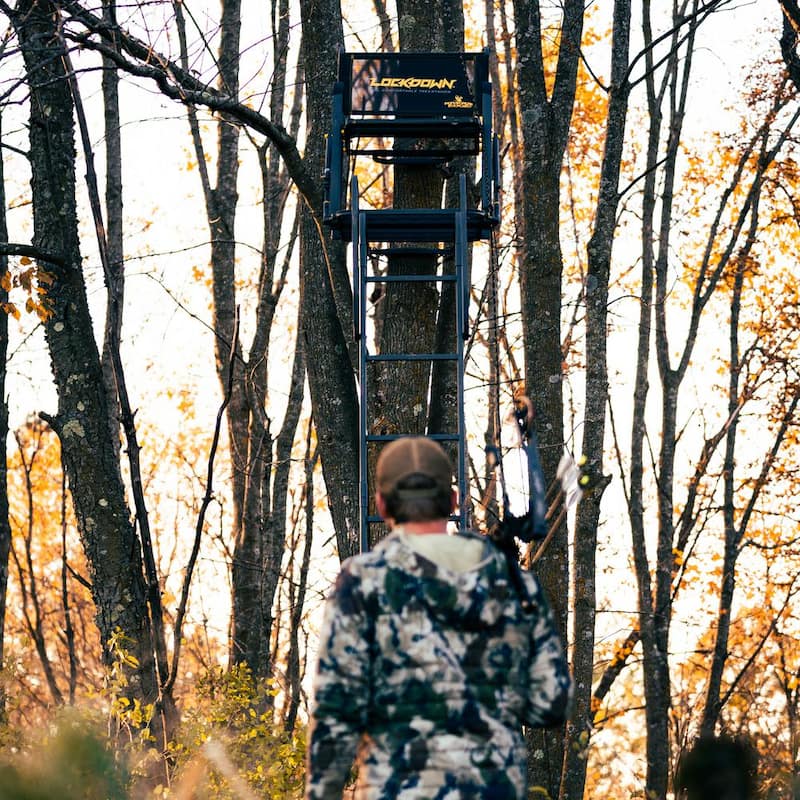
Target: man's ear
x,y
453,500
380,504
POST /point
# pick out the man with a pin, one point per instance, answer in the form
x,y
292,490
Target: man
x,y
428,666
718,768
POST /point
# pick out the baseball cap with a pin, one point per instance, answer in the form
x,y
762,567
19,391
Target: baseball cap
x,y
413,455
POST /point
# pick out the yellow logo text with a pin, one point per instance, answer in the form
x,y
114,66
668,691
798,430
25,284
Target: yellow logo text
x,y
414,83
459,102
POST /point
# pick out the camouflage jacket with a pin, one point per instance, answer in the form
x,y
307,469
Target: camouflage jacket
x,y
428,676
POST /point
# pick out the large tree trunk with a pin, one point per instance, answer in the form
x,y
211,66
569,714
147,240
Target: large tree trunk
x,y
409,310
108,537
418,317
323,279
545,125
443,411
596,394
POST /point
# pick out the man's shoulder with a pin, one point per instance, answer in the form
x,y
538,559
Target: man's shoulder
x,y
371,563
375,557
394,551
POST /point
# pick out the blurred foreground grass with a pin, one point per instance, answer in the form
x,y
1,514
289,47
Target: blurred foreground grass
x,y
230,745
71,763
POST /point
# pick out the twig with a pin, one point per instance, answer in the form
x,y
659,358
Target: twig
x,y
208,496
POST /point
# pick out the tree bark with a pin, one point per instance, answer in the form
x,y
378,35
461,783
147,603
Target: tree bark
x,y
114,225
399,400
112,548
5,527
596,397
331,381
545,122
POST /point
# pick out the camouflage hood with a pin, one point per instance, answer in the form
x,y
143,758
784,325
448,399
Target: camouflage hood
x,y
469,600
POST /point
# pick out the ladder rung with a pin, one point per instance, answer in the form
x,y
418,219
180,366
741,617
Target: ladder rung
x,y
390,437
409,278
411,251
412,225
382,156
374,519
413,357
460,127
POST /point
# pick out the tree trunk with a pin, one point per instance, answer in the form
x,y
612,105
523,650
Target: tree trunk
x,y
654,588
108,537
334,400
275,528
114,225
545,124
5,527
297,595
409,310
737,516
259,505
596,296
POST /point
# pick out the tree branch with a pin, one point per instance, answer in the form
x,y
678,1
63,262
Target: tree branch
x,y
208,496
29,251
178,84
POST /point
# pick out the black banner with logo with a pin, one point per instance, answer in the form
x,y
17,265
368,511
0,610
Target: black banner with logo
x,y
413,84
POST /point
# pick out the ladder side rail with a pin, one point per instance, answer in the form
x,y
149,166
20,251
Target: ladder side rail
x,y
498,180
487,153
344,76
461,244
356,225
461,334
333,175
363,469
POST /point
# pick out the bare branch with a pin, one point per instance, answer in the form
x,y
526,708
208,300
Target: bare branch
x,y
178,84
29,251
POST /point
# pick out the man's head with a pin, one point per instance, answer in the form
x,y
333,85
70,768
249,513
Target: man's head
x,y
718,768
414,481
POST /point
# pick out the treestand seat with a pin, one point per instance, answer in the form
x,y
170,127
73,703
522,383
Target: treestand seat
x,y
413,225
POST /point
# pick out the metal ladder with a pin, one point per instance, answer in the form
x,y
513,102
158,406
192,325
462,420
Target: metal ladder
x,y
364,114
369,226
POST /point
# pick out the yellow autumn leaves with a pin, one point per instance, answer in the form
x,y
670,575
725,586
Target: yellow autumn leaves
x,y
35,283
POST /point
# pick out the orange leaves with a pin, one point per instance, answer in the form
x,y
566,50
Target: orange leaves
x,y
10,309
621,655
34,283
